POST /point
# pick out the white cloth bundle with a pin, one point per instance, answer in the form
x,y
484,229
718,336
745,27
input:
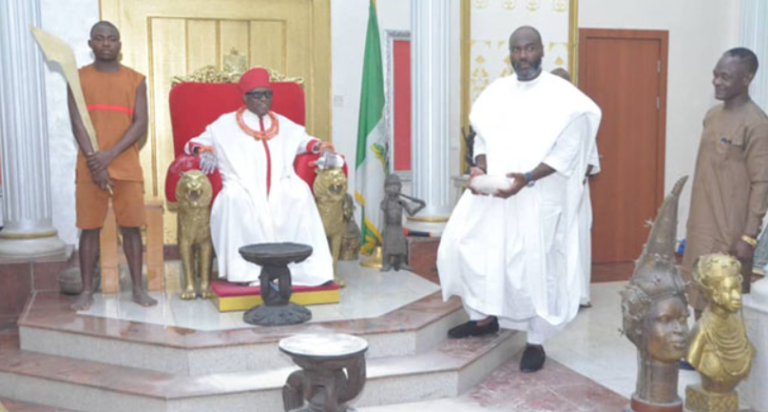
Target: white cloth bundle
x,y
490,184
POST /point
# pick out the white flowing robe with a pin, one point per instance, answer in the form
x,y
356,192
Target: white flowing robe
x,y
519,258
243,213
585,230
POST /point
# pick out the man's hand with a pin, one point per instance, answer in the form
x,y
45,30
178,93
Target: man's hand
x,y
518,183
208,162
742,250
474,172
101,179
99,161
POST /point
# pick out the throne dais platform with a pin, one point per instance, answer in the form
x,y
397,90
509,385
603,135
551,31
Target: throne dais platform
x,y
229,297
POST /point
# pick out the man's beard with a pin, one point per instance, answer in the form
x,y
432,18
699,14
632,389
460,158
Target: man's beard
x,y
529,73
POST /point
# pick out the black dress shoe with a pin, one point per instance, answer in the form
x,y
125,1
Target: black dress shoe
x,y
533,358
471,328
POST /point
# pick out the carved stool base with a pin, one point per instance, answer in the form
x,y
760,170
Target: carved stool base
x,y
290,314
699,400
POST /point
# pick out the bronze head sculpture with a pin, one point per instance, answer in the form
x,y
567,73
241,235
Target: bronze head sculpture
x,y
655,311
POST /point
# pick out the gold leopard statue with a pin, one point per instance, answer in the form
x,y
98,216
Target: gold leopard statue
x,y
330,188
193,195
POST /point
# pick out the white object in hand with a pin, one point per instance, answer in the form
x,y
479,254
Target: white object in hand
x,y
490,184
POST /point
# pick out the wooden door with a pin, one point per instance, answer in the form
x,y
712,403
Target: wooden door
x,y
624,72
167,38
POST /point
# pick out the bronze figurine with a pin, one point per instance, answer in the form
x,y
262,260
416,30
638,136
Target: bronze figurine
x,y
350,243
395,246
719,348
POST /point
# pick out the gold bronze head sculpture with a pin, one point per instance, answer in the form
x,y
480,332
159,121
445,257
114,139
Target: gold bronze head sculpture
x,y
719,348
655,312
330,188
193,195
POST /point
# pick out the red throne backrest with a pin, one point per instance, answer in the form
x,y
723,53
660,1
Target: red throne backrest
x,y
196,105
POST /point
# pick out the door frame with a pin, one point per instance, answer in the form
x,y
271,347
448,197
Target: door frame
x,y
662,36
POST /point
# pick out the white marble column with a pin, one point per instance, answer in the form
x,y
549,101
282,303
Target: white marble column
x,y
753,34
430,98
28,230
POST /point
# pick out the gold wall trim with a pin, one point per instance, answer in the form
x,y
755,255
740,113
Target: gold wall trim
x,y
466,41
573,40
27,236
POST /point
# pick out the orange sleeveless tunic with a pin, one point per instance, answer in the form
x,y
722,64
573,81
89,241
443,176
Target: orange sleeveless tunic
x,y
111,98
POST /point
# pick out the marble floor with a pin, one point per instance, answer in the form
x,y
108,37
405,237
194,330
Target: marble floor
x,y
369,293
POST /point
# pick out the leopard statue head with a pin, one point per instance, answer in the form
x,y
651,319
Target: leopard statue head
x,y
330,185
193,190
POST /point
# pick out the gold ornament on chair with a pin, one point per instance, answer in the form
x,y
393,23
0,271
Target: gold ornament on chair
x,y
509,4
235,64
193,196
719,348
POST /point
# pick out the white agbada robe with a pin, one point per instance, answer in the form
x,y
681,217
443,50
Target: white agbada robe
x,y
243,213
585,230
519,258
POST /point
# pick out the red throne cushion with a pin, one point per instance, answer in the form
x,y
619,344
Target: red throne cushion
x,y
195,105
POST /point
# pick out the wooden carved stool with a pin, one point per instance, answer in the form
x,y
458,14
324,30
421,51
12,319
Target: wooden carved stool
x,y
153,258
332,372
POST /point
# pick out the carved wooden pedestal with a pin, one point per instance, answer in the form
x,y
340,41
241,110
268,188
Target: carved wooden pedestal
x,y
274,259
333,372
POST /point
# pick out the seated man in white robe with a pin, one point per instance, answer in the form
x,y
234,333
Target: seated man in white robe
x,y
513,257
262,199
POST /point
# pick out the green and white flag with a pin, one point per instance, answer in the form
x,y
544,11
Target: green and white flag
x,y
372,162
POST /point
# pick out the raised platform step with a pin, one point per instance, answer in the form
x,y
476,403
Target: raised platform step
x,y
17,406
452,367
49,327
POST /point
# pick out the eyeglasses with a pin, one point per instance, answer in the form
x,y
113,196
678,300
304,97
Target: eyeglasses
x,y
260,95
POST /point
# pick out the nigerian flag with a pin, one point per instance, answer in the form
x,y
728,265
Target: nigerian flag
x,y
371,166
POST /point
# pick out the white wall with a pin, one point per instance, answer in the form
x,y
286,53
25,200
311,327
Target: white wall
x,y
699,32
71,21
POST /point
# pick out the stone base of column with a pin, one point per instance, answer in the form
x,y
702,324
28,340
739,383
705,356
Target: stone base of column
x,y
31,248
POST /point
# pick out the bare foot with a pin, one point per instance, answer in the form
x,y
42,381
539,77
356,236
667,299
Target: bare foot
x,y
83,302
142,298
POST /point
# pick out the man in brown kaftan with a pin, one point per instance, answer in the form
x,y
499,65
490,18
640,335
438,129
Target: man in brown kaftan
x,y
730,186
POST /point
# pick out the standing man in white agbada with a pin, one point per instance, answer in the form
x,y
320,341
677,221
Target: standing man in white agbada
x,y
262,199
513,258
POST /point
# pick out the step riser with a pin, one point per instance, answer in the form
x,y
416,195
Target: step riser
x,y
379,389
195,362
